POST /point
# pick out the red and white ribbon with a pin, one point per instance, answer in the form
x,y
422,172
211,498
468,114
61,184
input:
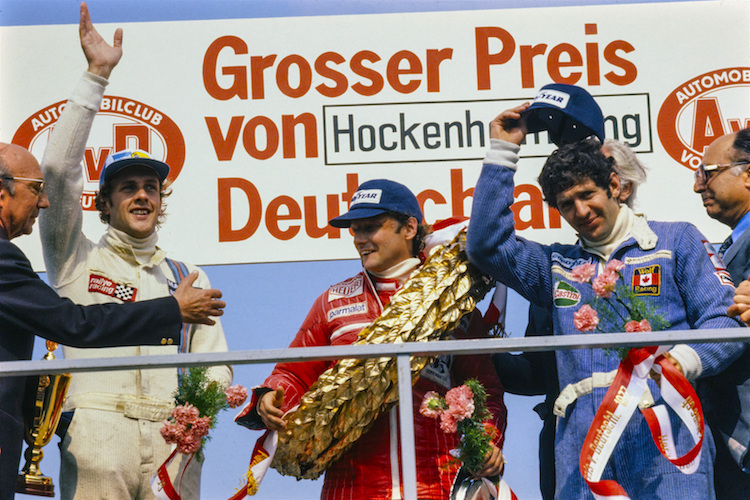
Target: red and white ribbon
x,y
161,483
618,407
260,461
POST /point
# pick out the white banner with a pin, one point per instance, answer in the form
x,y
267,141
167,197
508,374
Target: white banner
x,y
269,124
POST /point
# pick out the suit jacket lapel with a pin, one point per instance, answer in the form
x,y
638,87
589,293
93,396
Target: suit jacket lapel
x,y
741,242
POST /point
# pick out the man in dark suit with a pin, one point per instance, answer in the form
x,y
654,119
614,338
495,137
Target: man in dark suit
x,y
723,181
29,307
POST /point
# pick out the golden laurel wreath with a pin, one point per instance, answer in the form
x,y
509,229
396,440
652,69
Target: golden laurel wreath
x,y
347,398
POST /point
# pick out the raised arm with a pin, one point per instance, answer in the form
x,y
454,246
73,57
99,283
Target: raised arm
x,y
491,242
60,224
510,125
101,56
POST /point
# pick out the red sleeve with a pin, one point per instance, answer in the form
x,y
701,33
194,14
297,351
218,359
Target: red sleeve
x,y
295,378
480,367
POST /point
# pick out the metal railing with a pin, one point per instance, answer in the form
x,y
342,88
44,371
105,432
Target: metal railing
x,y
402,352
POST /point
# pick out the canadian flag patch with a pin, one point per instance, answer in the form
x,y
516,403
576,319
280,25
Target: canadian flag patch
x,y
647,280
103,285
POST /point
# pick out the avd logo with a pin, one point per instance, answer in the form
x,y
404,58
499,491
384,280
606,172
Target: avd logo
x,y
121,123
702,109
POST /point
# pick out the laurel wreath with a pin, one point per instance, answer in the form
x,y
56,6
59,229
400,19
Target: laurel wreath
x,y
347,398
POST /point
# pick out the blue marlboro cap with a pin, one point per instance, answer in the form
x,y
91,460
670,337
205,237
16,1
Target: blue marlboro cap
x,y
567,112
377,197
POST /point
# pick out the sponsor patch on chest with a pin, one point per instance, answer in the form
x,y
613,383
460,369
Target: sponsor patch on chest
x,y
347,310
647,280
349,288
567,263
105,286
439,371
565,295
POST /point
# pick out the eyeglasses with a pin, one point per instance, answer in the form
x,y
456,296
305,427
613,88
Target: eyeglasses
x,y
36,185
704,172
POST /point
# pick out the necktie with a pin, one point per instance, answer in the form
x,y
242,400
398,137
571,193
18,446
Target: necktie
x,y
725,246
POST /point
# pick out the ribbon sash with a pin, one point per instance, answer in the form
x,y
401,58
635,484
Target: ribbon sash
x,y
161,483
265,447
618,406
260,461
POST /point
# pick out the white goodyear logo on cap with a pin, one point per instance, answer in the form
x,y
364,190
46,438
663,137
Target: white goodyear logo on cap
x,y
367,196
553,97
702,109
122,123
565,295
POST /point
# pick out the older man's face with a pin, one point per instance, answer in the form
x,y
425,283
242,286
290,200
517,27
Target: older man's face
x,y
725,196
19,211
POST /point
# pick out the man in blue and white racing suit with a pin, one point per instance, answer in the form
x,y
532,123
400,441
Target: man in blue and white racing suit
x,y
687,288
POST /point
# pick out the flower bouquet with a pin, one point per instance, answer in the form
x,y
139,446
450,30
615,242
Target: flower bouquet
x,y
616,307
198,400
463,410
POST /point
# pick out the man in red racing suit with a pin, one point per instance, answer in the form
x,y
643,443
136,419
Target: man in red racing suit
x,y
370,470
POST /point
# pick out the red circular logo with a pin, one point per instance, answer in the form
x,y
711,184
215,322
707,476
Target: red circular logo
x,y
122,123
701,110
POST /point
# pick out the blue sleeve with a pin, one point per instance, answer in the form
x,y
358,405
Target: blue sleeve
x,y
491,241
707,296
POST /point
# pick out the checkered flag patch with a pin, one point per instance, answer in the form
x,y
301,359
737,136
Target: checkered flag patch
x,y
125,293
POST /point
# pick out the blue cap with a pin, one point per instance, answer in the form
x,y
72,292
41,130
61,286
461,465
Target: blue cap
x,y
567,112
377,197
128,158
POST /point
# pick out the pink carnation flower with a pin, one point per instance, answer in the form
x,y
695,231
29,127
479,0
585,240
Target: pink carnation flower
x,y
201,426
635,326
583,273
448,422
185,414
614,266
431,406
236,395
172,432
460,402
604,284
585,319
190,443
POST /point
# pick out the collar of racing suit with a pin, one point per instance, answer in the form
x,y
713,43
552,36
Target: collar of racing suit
x,y
628,224
141,250
390,280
